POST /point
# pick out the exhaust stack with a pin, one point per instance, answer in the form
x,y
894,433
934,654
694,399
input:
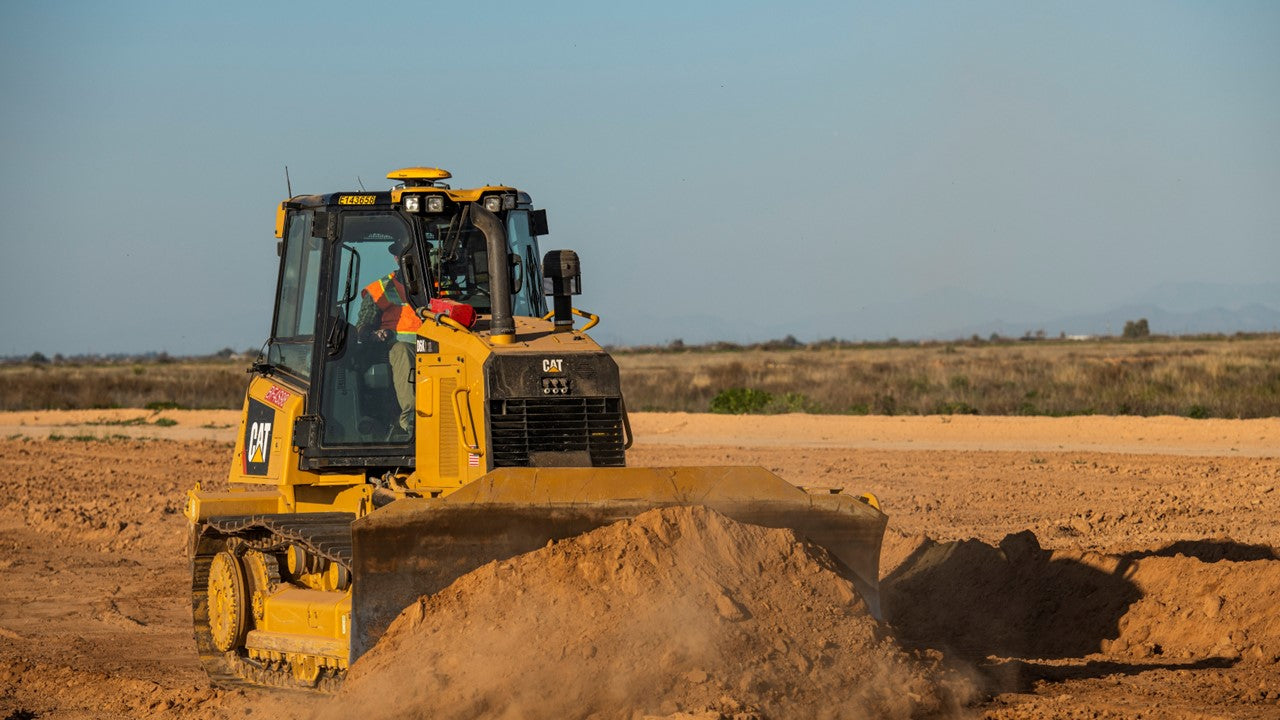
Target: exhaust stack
x,y
502,326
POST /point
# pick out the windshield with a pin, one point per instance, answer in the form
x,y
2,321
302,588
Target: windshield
x,y
458,261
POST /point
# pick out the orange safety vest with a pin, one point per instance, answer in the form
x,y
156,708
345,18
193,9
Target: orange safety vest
x,y
389,295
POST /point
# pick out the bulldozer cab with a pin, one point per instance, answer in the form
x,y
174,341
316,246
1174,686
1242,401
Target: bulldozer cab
x,y
349,263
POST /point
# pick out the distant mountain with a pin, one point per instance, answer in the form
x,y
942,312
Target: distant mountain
x,y
1251,318
920,317
1194,297
1170,308
951,313
627,327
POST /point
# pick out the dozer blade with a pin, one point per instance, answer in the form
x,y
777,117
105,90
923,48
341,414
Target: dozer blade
x,y
416,547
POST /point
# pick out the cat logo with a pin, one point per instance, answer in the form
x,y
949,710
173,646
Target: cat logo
x,y
258,424
556,365
259,441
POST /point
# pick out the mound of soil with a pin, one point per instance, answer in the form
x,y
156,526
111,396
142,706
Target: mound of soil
x,y
1201,599
680,612
1191,599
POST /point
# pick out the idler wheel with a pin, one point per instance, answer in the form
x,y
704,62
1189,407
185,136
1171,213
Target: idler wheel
x,y
228,602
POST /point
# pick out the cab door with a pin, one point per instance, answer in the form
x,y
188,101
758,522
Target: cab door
x,y
362,378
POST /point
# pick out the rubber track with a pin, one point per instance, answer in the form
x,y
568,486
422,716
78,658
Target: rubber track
x,y
325,534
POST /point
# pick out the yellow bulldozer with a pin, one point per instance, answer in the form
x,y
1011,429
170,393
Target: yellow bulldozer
x,y
419,411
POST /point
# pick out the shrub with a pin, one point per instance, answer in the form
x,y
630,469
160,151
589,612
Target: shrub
x,y
740,401
954,407
886,405
1137,328
792,402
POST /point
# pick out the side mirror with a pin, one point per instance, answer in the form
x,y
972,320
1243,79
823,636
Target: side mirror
x,y
538,223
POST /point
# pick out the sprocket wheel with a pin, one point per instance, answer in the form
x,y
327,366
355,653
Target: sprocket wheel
x,y
228,602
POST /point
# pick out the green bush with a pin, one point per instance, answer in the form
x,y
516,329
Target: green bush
x,y
954,407
740,401
792,402
886,405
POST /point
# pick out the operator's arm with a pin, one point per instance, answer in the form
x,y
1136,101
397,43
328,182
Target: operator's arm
x,y
368,320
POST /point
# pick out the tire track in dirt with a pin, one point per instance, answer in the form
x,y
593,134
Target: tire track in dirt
x,y
94,621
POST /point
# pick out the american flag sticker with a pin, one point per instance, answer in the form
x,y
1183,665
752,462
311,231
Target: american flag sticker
x,y
473,460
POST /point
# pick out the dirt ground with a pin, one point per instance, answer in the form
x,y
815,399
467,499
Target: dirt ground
x,y
1084,568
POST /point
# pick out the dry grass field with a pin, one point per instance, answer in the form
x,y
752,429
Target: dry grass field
x,y
1227,377
1219,377
70,386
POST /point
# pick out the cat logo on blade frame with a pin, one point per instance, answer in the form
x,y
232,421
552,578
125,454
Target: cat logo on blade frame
x,y
257,438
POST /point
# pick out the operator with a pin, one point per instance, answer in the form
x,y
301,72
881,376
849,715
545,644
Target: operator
x,y
386,315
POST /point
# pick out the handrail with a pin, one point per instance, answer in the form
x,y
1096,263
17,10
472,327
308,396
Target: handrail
x,y
474,444
626,426
592,320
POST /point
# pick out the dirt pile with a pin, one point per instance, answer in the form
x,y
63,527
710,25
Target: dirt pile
x,y
1190,599
680,610
1210,598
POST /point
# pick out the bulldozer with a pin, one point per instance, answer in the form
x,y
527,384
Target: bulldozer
x,y
429,400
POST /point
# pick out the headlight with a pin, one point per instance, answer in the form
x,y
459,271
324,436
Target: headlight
x,y
435,203
508,202
412,203
493,203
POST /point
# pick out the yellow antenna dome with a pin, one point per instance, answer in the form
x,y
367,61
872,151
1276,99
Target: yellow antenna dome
x,y
418,176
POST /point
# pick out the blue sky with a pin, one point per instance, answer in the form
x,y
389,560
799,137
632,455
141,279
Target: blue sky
x,y
745,163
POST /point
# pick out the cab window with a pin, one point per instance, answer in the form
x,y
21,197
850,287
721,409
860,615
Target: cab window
x,y
295,325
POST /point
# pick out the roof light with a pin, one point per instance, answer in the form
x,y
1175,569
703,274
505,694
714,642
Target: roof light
x,y
508,202
435,203
412,203
493,203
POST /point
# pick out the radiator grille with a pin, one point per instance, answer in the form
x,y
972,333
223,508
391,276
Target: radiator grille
x,y
520,426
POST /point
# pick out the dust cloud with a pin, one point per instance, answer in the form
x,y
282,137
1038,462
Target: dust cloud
x,y
680,612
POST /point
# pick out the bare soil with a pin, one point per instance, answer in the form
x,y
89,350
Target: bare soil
x,y
1085,567
678,610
